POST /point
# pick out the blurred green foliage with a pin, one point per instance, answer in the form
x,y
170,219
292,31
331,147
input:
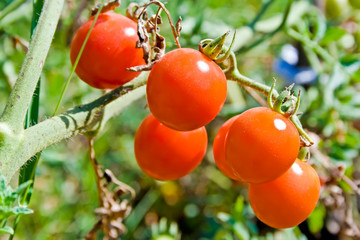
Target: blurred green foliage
x,y
205,204
9,206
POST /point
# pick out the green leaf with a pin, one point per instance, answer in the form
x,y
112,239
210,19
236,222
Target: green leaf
x,y
241,231
21,210
174,229
333,34
223,234
238,209
5,212
224,217
316,219
6,230
10,198
2,183
23,186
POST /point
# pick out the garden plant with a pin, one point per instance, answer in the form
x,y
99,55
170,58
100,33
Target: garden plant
x,y
193,119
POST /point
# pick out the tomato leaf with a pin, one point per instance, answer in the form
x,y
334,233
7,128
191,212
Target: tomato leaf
x,y
241,231
316,219
332,34
6,230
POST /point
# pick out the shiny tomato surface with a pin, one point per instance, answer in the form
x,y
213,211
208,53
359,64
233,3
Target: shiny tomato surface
x,y
261,145
289,199
167,154
186,89
219,149
109,50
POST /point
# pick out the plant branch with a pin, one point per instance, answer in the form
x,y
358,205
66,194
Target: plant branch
x,y
21,95
9,8
270,34
81,119
232,73
260,14
312,45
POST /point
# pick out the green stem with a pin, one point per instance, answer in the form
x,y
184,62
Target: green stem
x,y
303,153
3,223
312,45
11,7
313,59
260,14
270,34
27,171
232,73
302,132
80,119
78,58
21,95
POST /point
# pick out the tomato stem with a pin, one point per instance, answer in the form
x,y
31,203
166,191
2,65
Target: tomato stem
x,y
232,73
11,7
22,92
269,97
302,132
270,34
303,153
297,103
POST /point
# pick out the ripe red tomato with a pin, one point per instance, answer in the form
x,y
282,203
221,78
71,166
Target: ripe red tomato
x,y
261,145
219,150
289,199
167,154
109,50
186,89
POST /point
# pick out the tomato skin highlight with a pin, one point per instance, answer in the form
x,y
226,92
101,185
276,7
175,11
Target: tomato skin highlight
x,y
109,50
219,150
261,145
166,154
186,89
288,200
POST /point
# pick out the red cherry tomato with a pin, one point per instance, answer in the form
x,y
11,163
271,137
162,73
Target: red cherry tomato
x,y
261,145
109,50
289,199
167,154
219,150
186,89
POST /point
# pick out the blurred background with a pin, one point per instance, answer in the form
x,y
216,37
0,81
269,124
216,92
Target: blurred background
x,y
319,50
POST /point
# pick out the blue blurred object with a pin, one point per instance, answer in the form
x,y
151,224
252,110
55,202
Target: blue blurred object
x,y
287,67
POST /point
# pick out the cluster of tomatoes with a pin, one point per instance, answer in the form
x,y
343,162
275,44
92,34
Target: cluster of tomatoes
x,y
185,91
260,147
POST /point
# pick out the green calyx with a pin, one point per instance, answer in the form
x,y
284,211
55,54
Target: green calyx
x,y
215,49
286,103
304,153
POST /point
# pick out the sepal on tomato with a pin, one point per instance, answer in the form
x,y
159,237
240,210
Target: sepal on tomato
x,y
215,49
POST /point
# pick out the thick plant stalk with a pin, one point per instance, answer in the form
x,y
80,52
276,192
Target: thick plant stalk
x,y
86,118
20,97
